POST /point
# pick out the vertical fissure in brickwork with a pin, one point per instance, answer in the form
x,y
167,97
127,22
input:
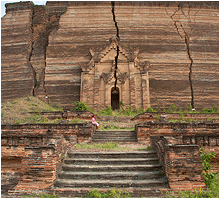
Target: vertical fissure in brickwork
x,y
43,23
183,35
31,52
190,70
117,40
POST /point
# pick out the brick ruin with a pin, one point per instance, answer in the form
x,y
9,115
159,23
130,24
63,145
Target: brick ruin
x,y
143,54
32,154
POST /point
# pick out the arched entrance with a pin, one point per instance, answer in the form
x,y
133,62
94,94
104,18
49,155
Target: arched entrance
x,y
115,98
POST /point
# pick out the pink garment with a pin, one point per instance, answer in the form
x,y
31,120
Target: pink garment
x,y
94,122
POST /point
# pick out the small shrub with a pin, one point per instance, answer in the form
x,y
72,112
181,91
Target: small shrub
x,y
210,119
181,115
79,106
107,111
148,148
211,110
150,109
206,167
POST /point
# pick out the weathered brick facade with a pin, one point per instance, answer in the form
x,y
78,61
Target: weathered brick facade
x,y
199,135
54,44
32,154
179,153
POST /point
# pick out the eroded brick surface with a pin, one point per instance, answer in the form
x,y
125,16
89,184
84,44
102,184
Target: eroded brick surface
x,y
179,153
166,52
32,154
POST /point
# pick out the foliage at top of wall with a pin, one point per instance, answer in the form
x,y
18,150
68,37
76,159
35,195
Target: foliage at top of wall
x,y
174,109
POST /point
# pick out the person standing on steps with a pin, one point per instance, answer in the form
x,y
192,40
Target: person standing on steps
x,y
94,122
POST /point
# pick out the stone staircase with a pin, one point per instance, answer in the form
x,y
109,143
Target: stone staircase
x,y
114,136
139,172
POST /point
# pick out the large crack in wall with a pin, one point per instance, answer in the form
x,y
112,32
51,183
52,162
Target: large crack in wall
x,y
30,54
43,23
117,41
186,36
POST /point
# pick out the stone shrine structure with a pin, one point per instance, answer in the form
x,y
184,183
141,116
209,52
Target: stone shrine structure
x,y
143,54
98,83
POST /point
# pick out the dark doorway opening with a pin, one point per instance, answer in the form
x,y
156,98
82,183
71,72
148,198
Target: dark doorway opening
x,y
115,98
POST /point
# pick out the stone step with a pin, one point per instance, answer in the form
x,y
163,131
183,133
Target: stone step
x,y
115,132
114,140
162,182
113,154
103,161
111,168
104,175
114,136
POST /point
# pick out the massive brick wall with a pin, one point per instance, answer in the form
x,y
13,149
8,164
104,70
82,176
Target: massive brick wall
x,y
160,29
177,38
16,72
85,25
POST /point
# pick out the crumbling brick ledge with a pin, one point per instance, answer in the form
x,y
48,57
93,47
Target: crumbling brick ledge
x,y
32,154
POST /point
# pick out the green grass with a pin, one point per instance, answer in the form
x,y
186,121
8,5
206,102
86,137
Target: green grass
x,y
41,196
113,127
76,120
18,111
111,193
107,146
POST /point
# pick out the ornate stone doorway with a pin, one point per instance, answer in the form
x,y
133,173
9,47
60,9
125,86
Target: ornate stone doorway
x,y
115,98
98,78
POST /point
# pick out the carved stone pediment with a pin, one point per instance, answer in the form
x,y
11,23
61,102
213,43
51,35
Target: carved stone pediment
x,y
107,76
98,54
120,76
